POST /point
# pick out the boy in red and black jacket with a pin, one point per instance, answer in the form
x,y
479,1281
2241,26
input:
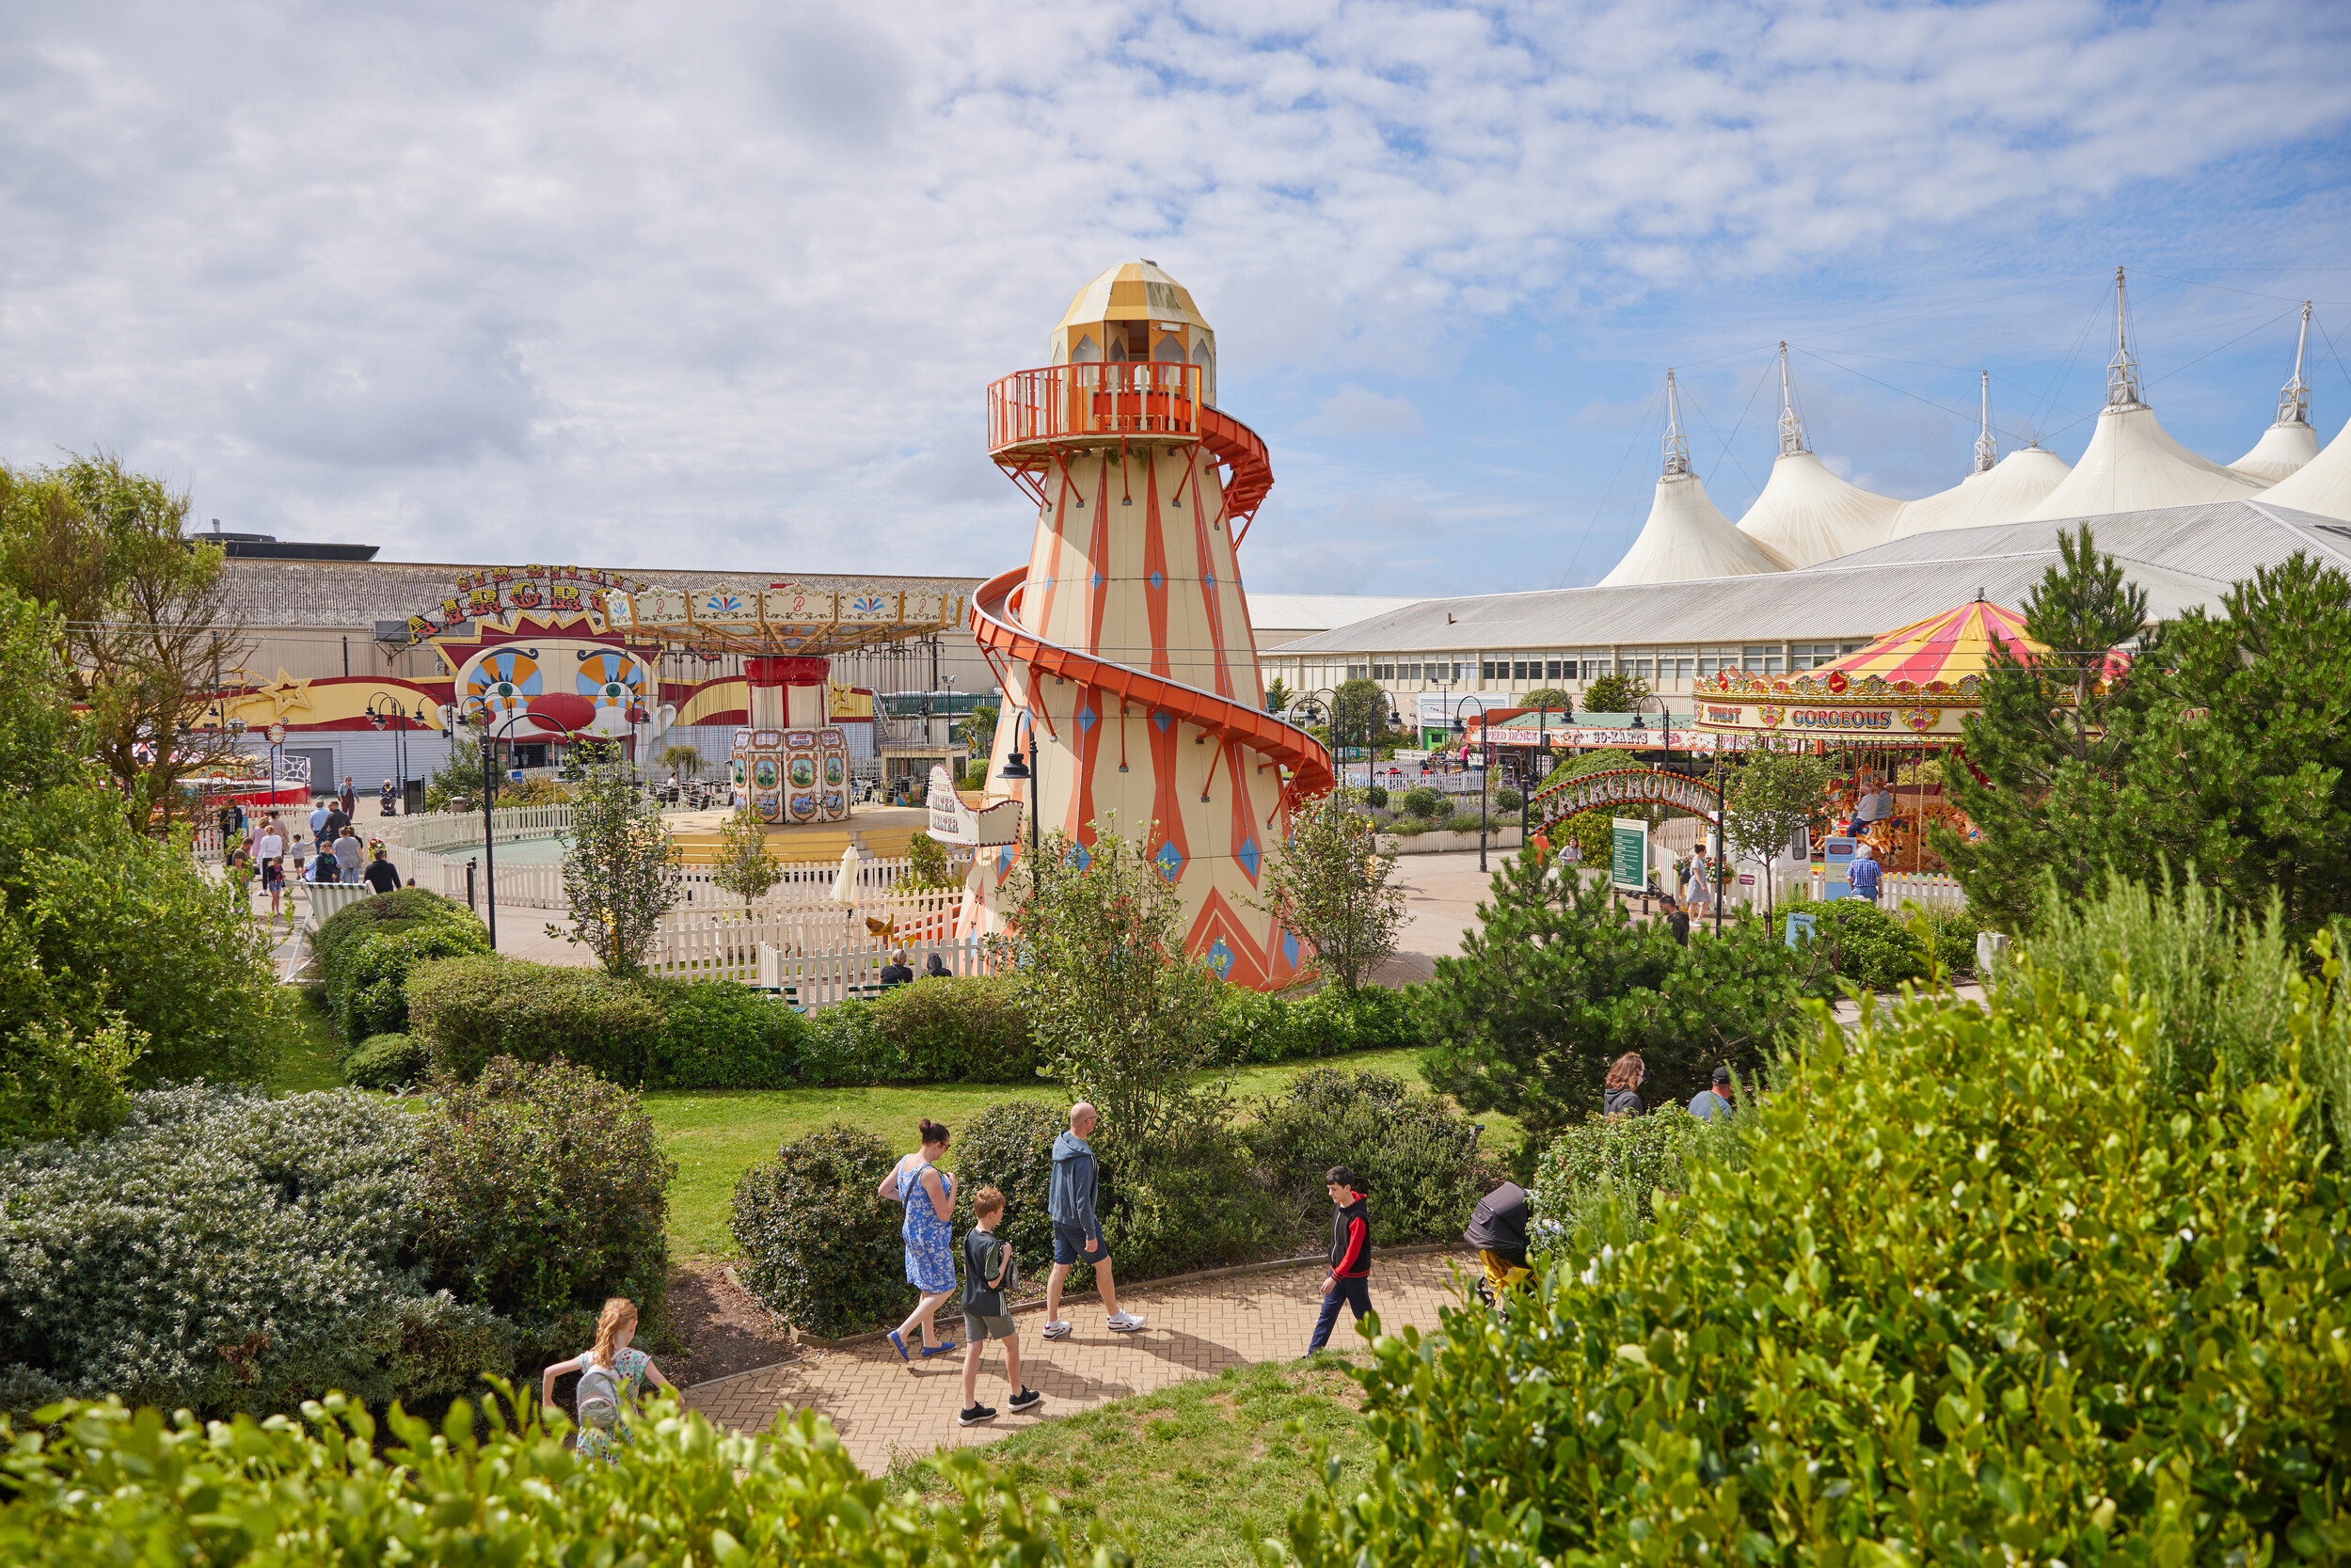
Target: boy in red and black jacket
x,y
1350,1255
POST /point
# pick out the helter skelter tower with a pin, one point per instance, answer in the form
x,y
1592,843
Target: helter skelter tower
x,y
1124,642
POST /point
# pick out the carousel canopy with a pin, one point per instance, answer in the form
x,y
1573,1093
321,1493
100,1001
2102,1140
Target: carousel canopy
x,y
787,619
1947,648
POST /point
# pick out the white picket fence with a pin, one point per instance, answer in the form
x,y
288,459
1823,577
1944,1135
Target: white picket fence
x,y
811,981
807,886
439,832
712,942
1928,890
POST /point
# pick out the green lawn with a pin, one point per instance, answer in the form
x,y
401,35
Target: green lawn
x,y
310,1059
1192,1475
715,1135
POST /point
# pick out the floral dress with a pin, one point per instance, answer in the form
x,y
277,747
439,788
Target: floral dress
x,y
929,1241
628,1365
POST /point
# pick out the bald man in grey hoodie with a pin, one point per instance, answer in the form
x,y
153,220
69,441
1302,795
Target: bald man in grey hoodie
x,y
1076,1231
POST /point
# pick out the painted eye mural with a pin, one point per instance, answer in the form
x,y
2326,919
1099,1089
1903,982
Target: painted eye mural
x,y
803,773
502,677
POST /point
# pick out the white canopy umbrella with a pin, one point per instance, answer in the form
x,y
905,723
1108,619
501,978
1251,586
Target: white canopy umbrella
x,y
1805,512
1686,535
845,881
2321,486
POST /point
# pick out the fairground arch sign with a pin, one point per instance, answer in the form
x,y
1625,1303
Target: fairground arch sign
x,y
1624,787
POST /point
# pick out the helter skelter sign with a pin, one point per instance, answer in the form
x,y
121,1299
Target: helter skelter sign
x,y
1624,787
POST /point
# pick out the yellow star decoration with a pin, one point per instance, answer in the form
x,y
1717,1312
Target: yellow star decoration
x,y
284,695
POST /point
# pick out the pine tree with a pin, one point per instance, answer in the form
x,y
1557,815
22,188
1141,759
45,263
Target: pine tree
x,y
2046,753
1557,981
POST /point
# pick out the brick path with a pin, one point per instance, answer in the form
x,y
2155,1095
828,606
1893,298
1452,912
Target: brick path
x,y
881,1405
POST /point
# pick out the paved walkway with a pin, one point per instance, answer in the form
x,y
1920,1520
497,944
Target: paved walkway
x,y
882,1406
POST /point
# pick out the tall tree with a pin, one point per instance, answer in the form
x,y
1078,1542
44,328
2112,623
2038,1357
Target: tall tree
x,y
617,876
1770,796
743,865
143,618
2049,748
1614,693
1123,1014
1331,884
1278,696
2238,756
1359,716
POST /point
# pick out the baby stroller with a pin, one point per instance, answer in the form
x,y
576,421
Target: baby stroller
x,y
1498,1229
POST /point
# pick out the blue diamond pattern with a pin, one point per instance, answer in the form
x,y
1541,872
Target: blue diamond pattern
x,y
1081,856
1290,947
1003,860
1160,719
1085,717
1221,958
1094,581
1210,580
1249,857
1170,862
1157,580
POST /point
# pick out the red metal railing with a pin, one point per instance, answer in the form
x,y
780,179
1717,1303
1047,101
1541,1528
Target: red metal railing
x,y
1030,412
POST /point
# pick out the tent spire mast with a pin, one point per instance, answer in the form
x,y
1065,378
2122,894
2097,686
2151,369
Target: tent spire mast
x,y
1987,449
1677,444
2294,399
2122,371
1792,428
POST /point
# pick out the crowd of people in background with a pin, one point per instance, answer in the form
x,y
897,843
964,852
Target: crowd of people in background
x,y
262,853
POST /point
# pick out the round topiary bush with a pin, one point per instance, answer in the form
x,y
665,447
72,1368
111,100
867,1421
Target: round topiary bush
x,y
1375,797
1424,803
817,1247
385,1062
1010,1147
723,1035
367,948
1508,800
963,1029
543,1190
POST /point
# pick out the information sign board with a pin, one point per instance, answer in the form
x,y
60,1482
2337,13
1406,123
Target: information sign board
x,y
1629,854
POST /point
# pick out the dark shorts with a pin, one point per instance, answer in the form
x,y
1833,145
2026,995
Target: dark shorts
x,y
976,1329
1070,1245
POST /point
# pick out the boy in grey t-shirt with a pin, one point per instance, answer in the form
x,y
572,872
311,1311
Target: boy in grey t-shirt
x,y
987,1271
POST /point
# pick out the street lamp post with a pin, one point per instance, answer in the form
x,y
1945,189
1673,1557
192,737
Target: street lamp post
x,y
1485,768
1542,749
1015,768
479,716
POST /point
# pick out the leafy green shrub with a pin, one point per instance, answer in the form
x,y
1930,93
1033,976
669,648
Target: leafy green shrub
x,y
1609,1170
1868,945
223,1251
1508,800
329,1490
819,1249
846,1045
543,1190
1425,803
1189,1200
1375,798
965,1029
1258,1027
367,949
385,1062
1010,1147
468,1010
1978,1282
723,1035
56,1083
1408,827
1419,1155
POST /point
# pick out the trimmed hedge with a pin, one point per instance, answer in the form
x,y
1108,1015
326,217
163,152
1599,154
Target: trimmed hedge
x,y
720,1035
965,1029
385,1062
468,1010
367,950
542,1191
819,1249
330,1489
1326,1022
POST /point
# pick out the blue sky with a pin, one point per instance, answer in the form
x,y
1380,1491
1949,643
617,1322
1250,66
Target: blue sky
x,y
721,285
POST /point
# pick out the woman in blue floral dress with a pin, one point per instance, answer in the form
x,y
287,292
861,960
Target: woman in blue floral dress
x,y
928,1194
629,1368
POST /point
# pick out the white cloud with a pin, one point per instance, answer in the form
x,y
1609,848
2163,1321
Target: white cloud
x,y
722,283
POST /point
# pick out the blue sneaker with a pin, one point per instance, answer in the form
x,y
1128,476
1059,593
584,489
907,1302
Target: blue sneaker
x,y
938,1350
901,1346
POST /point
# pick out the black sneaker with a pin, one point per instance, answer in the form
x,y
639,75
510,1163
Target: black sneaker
x,y
976,1415
1027,1399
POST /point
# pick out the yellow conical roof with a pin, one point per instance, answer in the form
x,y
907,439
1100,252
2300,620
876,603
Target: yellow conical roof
x,y
1132,291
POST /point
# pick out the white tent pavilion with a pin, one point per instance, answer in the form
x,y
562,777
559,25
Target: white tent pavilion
x,y
1687,536
2290,442
2000,490
2321,486
2133,464
1806,514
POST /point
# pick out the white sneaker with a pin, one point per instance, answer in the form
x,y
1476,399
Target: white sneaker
x,y
1124,1323
1057,1329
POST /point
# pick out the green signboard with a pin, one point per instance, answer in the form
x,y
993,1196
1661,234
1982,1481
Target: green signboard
x,y
1629,854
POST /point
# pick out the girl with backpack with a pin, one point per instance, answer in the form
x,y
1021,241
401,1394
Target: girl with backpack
x,y
611,1374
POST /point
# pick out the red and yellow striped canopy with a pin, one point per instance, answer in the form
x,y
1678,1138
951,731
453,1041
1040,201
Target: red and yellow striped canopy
x,y
1945,647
